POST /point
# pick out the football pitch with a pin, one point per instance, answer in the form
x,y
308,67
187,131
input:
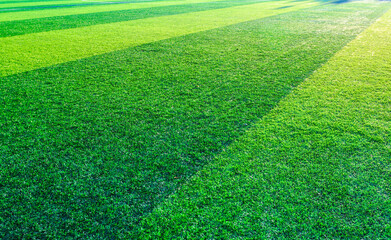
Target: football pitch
x,y
195,119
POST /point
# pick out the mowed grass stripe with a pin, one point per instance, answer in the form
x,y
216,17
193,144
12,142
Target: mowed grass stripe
x,y
29,4
24,1
317,166
14,28
27,1
32,51
89,9
90,146
58,6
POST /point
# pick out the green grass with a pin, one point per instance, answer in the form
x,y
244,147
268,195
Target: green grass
x,y
37,7
316,167
13,28
91,146
29,4
32,51
89,9
25,1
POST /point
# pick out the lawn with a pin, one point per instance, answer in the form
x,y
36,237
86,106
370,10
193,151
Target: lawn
x,y
195,119
316,166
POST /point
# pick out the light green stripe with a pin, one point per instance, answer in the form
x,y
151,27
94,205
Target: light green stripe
x,y
30,4
14,16
353,90
32,51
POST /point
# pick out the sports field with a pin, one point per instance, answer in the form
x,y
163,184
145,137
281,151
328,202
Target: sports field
x,y
195,119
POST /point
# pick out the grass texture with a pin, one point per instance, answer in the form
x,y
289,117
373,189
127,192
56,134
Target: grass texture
x,y
14,28
25,1
17,16
54,6
316,167
32,51
91,146
29,4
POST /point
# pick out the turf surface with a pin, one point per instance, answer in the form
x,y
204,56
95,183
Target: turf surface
x,y
30,4
32,51
13,28
27,1
89,9
44,7
317,166
91,146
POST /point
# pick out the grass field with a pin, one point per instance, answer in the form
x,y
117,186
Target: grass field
x,y
195,120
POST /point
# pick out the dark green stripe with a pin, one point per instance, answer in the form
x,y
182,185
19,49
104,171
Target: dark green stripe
x,y
90,146
14,28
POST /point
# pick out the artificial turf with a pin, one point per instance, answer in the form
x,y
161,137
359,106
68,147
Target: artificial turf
x,y
13,28
29,4
38,6
90,9
89,147
316,167
31,51
25,1
71,4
